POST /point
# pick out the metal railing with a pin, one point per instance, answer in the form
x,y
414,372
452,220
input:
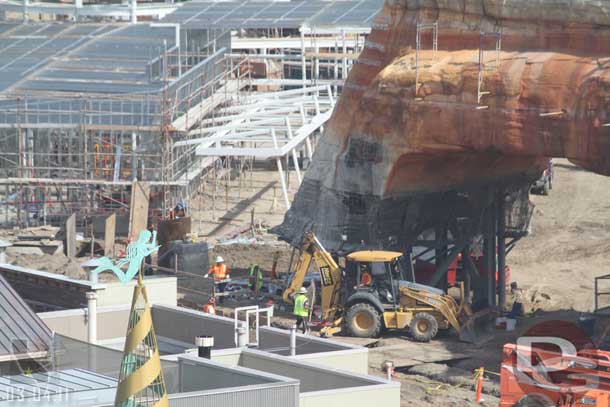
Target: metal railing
x,y
248,311
599,294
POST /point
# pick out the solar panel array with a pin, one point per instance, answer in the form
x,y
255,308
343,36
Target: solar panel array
x,y
276,14
52,72
103,58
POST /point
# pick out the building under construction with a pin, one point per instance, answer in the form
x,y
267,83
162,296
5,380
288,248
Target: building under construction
x,y
176,94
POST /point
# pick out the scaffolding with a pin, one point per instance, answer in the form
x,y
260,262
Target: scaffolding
x,y
104,105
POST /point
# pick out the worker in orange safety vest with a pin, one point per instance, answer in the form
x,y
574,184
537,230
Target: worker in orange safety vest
x,y
210,307
220,272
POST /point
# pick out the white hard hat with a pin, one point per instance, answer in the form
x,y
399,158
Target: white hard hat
x,y
219,259
302,290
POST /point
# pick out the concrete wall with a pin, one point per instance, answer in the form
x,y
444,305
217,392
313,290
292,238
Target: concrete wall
x,y
184,325
57,291
229,357
323,385
271,395
198,374
351,360
160,290
312,377
278,341
231,386
40,287
111,322
381,395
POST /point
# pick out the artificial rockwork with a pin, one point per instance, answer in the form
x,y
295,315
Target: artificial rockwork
x,y
414,139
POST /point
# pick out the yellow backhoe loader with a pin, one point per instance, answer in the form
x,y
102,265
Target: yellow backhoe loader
x,y
373,292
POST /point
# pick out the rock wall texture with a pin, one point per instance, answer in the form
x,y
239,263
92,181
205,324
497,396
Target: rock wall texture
x,y
392,155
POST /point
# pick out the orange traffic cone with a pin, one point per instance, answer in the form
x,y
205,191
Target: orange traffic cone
x,y
479,386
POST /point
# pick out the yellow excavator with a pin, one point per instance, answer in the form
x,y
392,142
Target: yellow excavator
x,y
373,292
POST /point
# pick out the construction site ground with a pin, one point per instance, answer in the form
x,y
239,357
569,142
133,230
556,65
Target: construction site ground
x,y
554,268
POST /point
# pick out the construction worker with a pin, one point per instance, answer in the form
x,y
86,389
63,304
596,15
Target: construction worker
x,y
179,211
220,272
255,281
210,307
366,279
301,309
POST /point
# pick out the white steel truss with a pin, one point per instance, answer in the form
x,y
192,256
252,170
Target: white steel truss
x,y
268,125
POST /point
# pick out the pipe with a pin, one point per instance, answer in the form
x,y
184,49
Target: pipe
x,y
204,346
242,336
92,317
133,11
293,340
389,369
3,246
78,5
26,3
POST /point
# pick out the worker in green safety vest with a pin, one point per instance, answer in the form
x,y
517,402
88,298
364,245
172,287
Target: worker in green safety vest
x,y
301,309
255,282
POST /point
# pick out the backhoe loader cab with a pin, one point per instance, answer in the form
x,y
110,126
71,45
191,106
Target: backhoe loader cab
x,y
381,293
375,272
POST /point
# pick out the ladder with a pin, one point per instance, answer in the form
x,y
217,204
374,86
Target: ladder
x,y
483,67
423,27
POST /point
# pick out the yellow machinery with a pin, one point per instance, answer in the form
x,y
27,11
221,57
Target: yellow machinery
x,y
373,292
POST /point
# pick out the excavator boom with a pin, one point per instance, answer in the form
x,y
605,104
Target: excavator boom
x,y
330,275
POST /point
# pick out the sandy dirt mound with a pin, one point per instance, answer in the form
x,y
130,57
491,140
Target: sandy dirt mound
x,y
569,244
57,264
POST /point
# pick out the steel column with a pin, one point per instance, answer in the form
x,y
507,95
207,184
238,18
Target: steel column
x,y
501,250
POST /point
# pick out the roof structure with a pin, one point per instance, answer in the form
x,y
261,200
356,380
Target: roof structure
x,y
22,333
54,387
268,125
276,14
53,72
96,58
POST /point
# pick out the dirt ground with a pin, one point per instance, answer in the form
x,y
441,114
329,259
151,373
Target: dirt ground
x,y
569,242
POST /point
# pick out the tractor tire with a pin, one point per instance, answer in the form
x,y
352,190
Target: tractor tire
x,y
363,321
423,327
533,401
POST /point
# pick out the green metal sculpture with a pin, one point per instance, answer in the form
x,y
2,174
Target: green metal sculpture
x,y
136,253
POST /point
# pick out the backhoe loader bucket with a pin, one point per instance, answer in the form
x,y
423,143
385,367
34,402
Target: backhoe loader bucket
x,y
477,328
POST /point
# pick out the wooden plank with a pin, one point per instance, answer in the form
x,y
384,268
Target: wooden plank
x,y
71,236
138,208
109,235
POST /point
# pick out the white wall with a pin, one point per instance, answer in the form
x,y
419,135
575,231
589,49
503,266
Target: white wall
x,y
351,360
160,290
111,322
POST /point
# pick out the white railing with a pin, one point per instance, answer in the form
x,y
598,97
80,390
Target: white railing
x,y
255,311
